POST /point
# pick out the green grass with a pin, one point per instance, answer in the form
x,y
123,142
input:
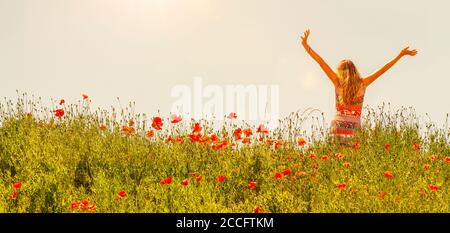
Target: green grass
x,y
86,155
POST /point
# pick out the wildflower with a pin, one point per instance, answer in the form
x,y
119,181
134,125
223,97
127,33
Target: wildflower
x,y
278,175
387,146
312,156
220,178
199,178
433,187
197,128
382,194
426,166
252,185
175,119
130,122
232,115
150,133
13,196
324,158
61,102
128,130
157,123
103,127
278,144
347,164
59,112
17,185
246,141
356,144
433,157
447,159
339,155
185,182
238,133
248,132
75,205
287,171
262,129
220,145
122,194
301,141
301,173
388,174
167,180
342,186
416,146
258,210
85,97
214,138
195,137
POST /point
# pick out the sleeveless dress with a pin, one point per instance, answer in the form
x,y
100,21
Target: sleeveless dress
x,y
348,116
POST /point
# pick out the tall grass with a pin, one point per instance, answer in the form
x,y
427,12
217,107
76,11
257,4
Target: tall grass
x,y
87,155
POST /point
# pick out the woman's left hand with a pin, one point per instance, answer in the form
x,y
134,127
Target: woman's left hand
x,y
407,51
305,38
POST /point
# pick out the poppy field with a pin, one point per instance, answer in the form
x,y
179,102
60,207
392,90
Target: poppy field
x,y
71,158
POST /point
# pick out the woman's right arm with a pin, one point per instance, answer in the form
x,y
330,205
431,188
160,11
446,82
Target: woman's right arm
x,y
325,67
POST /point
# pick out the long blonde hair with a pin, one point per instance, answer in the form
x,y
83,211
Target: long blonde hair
x,y
349,80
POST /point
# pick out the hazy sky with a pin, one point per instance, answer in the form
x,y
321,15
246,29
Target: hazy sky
x,y
139,49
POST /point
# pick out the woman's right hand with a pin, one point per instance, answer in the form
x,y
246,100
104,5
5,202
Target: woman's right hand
x,y
305,38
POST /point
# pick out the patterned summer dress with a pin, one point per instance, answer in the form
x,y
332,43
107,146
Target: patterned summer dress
x,y
348,116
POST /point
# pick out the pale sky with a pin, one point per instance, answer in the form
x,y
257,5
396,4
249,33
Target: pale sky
x,y
139,49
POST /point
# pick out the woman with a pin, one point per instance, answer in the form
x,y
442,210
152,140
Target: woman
x,y
350,88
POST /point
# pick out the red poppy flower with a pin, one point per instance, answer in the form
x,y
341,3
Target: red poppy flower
x,y
197,128
447,159
221,145
61,102
278,144
128,130
157,123
287,171
175,119
387,146
388,174
150,133
232,115
220,178
433,157
262,129
312,156
122,194
199,178
356,144
59,112
167,180
339,155
238,133
416,146
185,182
433,187
258,210
301,173
85,97
301,141
13,195
426,166
248,132
252,184
347,164
324,158
342,186
382,194
214,138
17,185
195,137
278,175
75,204
246,141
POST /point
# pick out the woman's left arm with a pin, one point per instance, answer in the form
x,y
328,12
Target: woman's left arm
x,y
371,78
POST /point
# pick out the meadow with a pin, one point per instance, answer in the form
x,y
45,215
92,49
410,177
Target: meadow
x,y
71,158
